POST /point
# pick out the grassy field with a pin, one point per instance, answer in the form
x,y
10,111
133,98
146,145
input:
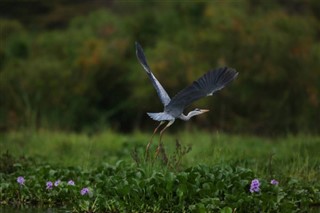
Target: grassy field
x,y
295,156
225,162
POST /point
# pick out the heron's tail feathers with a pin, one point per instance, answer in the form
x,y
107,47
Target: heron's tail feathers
x,y
160,116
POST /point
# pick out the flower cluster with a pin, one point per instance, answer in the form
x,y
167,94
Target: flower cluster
x,y
71,183
21,180
57,182
274,182
84,191
255,185
50,184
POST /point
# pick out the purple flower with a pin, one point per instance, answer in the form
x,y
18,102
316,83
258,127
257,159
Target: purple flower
x,y
255,186
49,185
274,182
71,183
84,191
21,180
57,182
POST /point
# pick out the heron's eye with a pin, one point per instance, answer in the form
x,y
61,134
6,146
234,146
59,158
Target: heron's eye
x,y
196,109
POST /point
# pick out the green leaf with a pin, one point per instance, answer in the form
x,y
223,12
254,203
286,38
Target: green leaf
x,y
226,210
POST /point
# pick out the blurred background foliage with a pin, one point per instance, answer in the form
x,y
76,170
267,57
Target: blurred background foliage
x,y
71,65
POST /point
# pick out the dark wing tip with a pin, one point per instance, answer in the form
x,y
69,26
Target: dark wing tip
x,y
228,69
225,76
138,46
139,50
231,72
216,79
225,72
141,57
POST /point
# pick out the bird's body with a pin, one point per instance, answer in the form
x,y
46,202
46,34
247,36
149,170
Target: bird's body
x,y
206,85
200,88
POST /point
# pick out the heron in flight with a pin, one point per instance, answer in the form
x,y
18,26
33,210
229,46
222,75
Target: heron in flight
x,y
206,85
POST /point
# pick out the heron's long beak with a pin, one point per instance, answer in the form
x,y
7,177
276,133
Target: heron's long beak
x,y
205,110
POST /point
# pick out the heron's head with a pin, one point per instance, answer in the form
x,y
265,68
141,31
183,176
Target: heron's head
x,y
197,111
200,111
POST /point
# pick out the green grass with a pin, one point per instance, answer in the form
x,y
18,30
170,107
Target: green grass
x,y
214,176
295,156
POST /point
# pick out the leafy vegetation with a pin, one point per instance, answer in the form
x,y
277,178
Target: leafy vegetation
x,y
84,76
126,187
215,176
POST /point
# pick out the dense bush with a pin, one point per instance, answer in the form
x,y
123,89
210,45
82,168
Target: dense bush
x,y
87,76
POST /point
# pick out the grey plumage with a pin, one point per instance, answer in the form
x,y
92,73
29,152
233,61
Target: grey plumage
x,y
206,85
163,95
160,116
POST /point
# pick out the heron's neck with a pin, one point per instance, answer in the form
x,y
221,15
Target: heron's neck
x,y
188,116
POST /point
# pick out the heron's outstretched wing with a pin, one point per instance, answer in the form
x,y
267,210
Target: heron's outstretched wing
x,y
163,95
206,85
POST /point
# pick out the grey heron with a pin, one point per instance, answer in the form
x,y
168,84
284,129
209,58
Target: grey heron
x,y
206,85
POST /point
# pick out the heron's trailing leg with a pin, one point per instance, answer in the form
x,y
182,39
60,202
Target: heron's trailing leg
x,y
161,133
154,132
